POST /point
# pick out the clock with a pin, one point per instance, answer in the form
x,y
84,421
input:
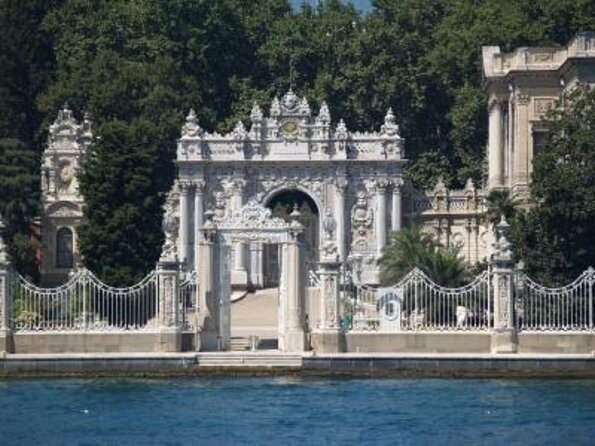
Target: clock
x,y
290,129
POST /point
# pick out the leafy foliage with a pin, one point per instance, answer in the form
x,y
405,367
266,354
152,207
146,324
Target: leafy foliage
x,y
557,233
409,249
139,65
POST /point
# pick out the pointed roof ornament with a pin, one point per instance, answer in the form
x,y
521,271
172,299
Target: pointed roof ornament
x,y
290,101
390,127
191,129
239,131
304,106
275,107
65,115
256,113
324,115
341,130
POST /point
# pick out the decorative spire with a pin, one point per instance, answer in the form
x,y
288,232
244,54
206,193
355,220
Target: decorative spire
x,y
275,107
4,259
324,115
503,252
341,131
191,129
304,106
256,113
390,128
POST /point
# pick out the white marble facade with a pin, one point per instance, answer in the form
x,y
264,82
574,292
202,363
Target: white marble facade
x,y
61,200
292,154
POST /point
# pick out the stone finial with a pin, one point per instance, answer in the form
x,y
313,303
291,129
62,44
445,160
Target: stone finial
x,y
65,114
295,218
440,188
275,107
4,258
469,185
324,115
341,130
87,123
290,101
256,113
191,129
390,127
503,251
304,106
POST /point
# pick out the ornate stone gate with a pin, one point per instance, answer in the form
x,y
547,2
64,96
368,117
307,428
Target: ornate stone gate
x,y
252,223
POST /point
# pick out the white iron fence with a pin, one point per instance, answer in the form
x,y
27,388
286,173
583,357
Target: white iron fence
x,y
85,303
418,304
567,308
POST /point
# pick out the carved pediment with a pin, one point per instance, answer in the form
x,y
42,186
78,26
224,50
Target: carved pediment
x,y
63,209
252,215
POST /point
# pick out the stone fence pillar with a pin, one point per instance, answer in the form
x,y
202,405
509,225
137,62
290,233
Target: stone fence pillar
x,y
504,336
168,287
5,301
207,327
295,339
328,334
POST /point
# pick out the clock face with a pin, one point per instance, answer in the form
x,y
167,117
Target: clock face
x,y
290,129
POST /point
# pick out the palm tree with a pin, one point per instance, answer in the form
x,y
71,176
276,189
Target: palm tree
x,y
500,203
410,248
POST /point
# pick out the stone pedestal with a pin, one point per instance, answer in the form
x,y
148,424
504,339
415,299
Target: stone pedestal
x,y
504,341
6,341
207,326
329,334
294,336
170,336
504,336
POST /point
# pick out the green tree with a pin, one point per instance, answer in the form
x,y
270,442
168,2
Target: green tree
x,y
558,231
501,202
19,189
409,249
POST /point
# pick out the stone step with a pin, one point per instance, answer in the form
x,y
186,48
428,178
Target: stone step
x,y
236,359
239,344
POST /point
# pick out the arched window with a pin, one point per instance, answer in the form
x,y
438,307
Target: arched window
x,y
64,251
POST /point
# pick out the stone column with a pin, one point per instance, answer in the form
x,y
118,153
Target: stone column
x,y
341,186
381,214
396,217
199,187
184,221
5,298
239,276
294,340
520,183
256,259
208,306
495,145
504,336
168,276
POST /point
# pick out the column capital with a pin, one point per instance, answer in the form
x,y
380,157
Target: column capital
x,y
397,184
185,186
199,185
380,185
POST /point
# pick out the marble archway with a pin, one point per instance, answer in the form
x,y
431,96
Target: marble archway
x,y
281,205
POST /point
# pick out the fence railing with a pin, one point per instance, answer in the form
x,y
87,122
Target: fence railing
x,y
416,303
187,295
85,303
567,308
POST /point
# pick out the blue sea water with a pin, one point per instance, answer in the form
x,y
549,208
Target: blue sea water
x,y
300,411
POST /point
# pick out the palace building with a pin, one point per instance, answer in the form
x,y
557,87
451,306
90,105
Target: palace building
x,y
292,157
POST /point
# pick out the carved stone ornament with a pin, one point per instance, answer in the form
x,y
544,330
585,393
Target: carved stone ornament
x,y
252,215
361,219
4,259
67,181
390,127
170,224
191,129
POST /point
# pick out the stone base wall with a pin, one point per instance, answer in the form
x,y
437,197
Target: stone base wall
x,y
556,343
417,342
95,342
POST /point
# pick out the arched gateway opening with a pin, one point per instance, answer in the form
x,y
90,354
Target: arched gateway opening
x,y
282,205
